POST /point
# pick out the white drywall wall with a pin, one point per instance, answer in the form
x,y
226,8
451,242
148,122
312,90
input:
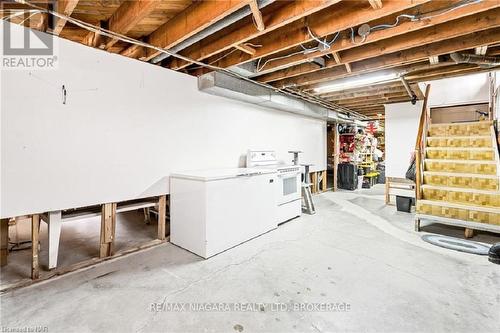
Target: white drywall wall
x,y
467,89
126,126
401,126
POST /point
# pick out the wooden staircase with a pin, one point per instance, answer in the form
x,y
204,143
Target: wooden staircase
x,y
458,176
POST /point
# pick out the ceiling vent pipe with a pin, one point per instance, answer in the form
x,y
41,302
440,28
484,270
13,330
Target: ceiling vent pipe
x,y
463,58
220,84
217,26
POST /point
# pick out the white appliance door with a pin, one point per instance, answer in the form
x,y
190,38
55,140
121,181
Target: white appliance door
x,y
239,209
289,187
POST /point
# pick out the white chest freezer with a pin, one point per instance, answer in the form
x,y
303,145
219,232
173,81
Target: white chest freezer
x,y
214,210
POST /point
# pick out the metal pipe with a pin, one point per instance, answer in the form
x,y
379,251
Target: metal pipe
x,y
217,26
464,58
408,89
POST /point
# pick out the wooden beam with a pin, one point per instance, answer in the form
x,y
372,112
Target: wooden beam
x,y
376,4
94,39
192,20
404,28
456,36
128,15
225,40
108,228
245,48
257,15
64,7
35,232
321,24
481,50
4,241
134,51
434,60
162,211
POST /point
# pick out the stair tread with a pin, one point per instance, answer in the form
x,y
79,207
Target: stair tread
x,y
440,160
460,148
463,124
460,206
460,137
459,174
459,189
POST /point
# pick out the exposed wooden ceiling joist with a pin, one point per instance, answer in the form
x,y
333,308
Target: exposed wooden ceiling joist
x,y
449,30
192,20
128,15
65,7
285,15
463,37
321,24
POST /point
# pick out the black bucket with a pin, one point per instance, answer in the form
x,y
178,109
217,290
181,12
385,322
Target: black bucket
x,y
403,204
494,254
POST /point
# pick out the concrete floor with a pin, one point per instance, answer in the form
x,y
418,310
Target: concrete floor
x,y
355,251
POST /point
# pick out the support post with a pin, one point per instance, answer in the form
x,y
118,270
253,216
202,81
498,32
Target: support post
x,y
35,232
108,227
162,217
417,224
314,181
4,241
324,183
54,230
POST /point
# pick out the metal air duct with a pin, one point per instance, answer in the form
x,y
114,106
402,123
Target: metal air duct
x,y
220,84
464,58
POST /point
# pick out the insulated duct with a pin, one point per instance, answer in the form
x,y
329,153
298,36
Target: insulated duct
x,y
464,58
217,26
224,85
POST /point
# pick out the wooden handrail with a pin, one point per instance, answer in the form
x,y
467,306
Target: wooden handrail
x,y
419,144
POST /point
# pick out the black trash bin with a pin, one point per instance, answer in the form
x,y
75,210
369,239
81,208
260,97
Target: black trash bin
x,y
403,204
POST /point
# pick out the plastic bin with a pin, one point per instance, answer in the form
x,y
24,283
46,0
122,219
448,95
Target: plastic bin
x,y
403,204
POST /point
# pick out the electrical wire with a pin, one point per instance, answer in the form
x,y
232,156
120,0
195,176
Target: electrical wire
x,y
112,34
353,38
327,45
304,51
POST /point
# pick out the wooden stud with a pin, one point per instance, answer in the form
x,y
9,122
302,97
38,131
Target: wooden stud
x,y
108,227
314,181
4,241
348,67
324,183
481,50
162,211
469,233
35,232
434,60
257,15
